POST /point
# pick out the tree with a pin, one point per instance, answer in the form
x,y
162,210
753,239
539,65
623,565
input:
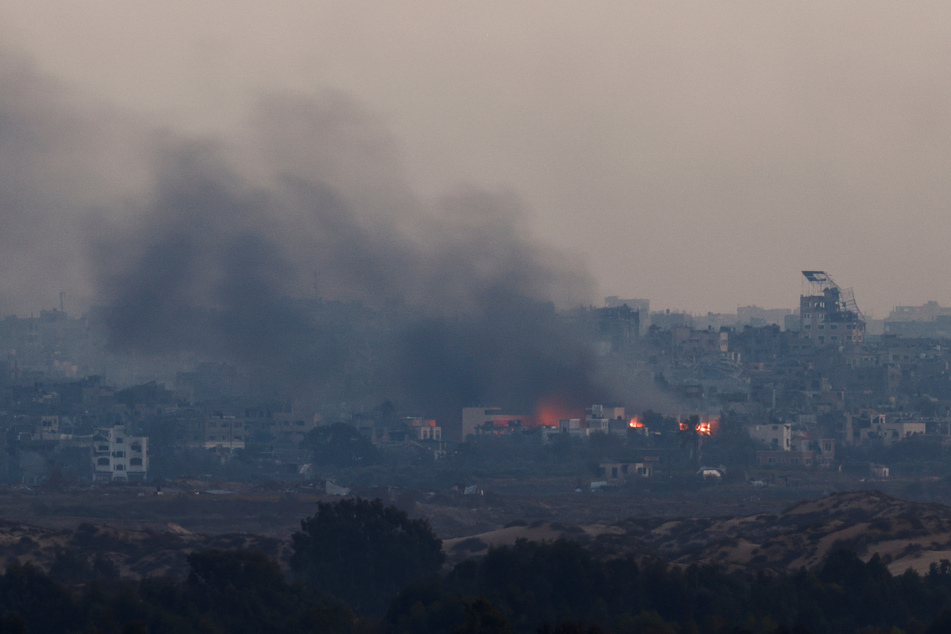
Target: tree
x,y
363,552
690,437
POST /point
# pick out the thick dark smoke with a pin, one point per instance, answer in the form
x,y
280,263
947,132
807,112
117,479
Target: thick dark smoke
x,y
221,247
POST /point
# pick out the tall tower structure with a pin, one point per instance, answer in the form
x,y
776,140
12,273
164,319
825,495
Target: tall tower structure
x,y
828,313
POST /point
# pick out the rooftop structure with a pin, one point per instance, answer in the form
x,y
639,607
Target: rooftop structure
x,y
828,313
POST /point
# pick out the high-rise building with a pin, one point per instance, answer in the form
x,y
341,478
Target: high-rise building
x,y
828,314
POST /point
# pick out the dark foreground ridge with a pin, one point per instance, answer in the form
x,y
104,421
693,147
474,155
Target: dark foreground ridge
x,y
823,565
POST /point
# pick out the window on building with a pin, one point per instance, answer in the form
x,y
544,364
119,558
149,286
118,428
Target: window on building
x,y
102,461
120,467
135,462
119,440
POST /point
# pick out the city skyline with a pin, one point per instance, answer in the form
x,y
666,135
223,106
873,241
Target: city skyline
x,y
699,156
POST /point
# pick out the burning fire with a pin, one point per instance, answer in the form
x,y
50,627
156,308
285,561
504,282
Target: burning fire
x,y
551,410
635,423
704,427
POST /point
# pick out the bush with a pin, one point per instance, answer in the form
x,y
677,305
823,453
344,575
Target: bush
x,y
363,552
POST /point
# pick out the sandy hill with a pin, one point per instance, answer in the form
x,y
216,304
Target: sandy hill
x,y
907,534
135,553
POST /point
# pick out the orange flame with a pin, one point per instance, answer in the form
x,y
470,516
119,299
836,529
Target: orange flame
x,y
704,427
636,423
553,409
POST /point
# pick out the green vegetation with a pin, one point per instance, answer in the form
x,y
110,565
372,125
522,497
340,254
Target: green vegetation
x,y
369,568
363,552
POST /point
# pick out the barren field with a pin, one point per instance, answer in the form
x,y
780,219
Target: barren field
x,y
146,531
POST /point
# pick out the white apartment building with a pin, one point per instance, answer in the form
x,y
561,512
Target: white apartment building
x,y
119,457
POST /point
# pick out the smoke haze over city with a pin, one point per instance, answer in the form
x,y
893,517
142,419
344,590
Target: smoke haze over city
x,y
210,244
699,156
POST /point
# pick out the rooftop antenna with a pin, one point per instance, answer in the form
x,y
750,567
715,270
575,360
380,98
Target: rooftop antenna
x,y
819,282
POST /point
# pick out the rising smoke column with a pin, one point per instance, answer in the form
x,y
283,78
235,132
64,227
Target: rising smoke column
x,y
214,248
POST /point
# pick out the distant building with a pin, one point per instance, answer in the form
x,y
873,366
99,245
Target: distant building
x,y
426,429
641,306
224,433
600,417
825,457
617,472
758,317
929,320
618,327
890,431
779,458
487,418
776,436
118,457
828,314
667,320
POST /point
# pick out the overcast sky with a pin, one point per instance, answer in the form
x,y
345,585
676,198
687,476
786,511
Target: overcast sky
x,y
696,154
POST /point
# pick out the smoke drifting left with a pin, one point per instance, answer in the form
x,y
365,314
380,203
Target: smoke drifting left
x,y
208,245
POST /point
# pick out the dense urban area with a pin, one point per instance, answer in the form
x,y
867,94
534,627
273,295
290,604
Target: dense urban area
x,y
765,392
172,490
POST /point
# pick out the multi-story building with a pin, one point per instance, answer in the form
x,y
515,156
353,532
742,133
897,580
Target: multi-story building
x,y
224,433
776,436
118,457
828,314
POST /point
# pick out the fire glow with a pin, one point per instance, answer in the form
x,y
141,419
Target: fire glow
x,y
553,409
635,423
704,427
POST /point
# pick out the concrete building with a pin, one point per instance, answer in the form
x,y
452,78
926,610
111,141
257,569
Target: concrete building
x,y
426,429
759,317
641,306
618,328
777,436
828,314
487,418
599,417
929,320
891,431
778,458
224,433
118,457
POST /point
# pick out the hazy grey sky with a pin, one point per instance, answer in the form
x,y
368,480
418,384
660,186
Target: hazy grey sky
x,y
696,154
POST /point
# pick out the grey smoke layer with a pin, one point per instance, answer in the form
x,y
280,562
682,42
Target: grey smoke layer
x,y
219,247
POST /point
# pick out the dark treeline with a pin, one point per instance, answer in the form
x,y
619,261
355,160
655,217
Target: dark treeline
x,y
225,592
340,585
561,587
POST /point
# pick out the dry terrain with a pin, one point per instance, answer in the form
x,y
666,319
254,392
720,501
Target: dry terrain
x,y
146,533
906,534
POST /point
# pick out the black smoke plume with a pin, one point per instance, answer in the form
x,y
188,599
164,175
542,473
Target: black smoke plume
x,y
296,247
